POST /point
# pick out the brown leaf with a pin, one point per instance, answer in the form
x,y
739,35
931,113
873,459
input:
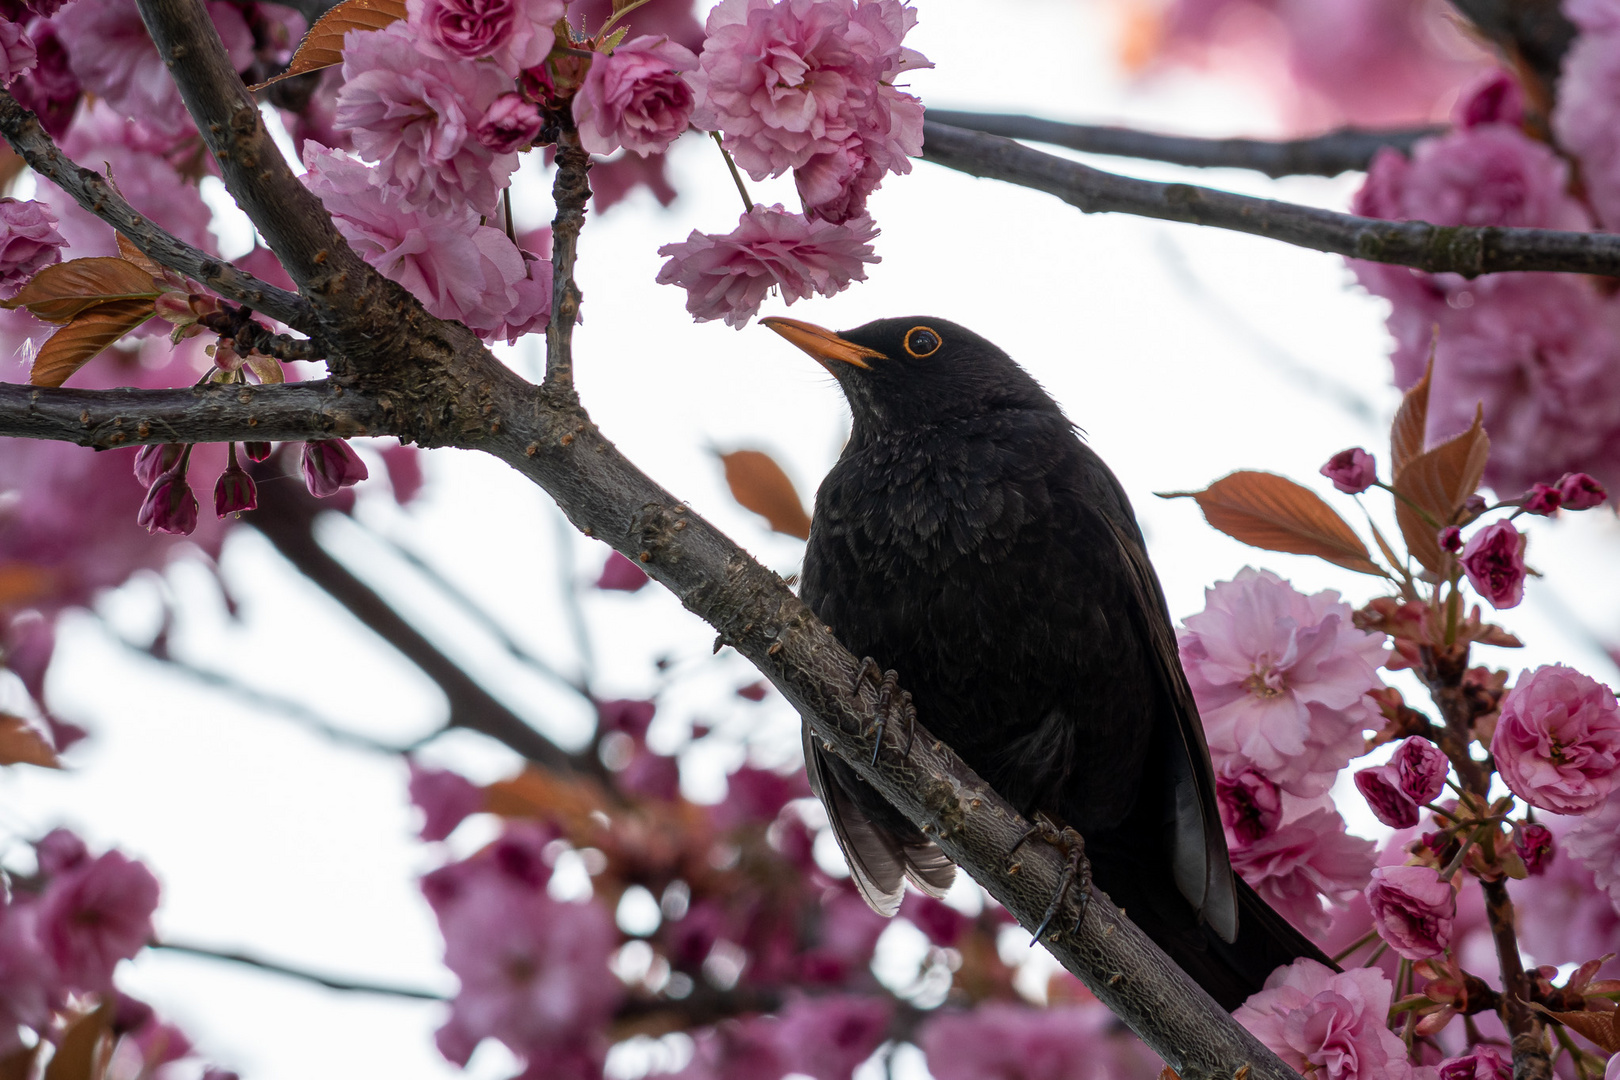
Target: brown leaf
x,y
1406,434
1600,1027
759,484
1272,512
322,47
58,293
132,254
79,1053
22,744
71,347
542,794
1436,483
19,1064
21,583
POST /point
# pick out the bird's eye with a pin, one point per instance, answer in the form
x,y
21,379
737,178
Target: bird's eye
x,y
921,342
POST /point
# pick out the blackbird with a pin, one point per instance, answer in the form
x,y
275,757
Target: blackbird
x,y
970,540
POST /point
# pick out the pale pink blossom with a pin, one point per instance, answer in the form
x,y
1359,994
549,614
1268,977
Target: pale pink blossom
x,y
1588,96
418,117
1493,558
999,1040
788,80
1413,908
635,97
95,915
1303,862
728,276
17,53
445,798
1328,1025
1569,918
1595,841
515,34
1280,679
29,242
1557,741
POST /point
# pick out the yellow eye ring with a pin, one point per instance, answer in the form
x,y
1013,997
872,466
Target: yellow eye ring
x,y
922,342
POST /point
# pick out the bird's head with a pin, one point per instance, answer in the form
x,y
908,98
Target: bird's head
x,y
915,371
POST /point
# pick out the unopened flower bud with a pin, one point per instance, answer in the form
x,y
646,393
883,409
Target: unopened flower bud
x,y
1473,506
1383,793
170,507
1420,769
1534,843
1494,562
329,466
1451,539
1352,471
153,461
256,451
509,124
1580,492
235,492
1542,500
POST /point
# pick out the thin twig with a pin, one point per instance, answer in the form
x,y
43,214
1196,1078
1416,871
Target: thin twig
x,y
1319,155
358,986
570,192
1466,250
736,177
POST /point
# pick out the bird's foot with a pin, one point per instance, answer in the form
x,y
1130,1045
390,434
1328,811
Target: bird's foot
x,y
1076,872
891,700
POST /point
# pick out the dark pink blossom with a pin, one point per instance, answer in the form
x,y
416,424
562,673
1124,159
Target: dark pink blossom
x,y
1534,843
510,123
60,851
516,34
1578,491
1589,93
1450,539
170,507
17,53
29,985
754,795
1420,769
446,799
1413,908
1303,862
728,276
1480,1063
417,116
1382,790
51,89
1352,471
1328,1024
1493,558
234,492
1250,805
627,715
96,915
154,460
827,1037
942,924
619,574
1542,500
403,464
1495,98
1557,740
29,241
1281,680
330,465
999,1040
651,776
635,97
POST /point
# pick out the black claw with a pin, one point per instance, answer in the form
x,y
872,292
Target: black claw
x,y
1078,870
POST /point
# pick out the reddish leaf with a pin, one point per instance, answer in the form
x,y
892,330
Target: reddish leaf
x,y
22,744
1406,434
71,347
79,1055
1436,483
21,583
542,794
1273,512
19,1064
132,254
58,293
322,47
1600,1027
760,485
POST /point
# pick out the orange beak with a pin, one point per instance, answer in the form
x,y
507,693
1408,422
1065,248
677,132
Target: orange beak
x,y
823,345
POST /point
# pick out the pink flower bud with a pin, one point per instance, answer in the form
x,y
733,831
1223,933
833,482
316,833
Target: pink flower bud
x,y
1250,804
1420,769
509,124
1481,1063
1542,500
1352,471
153,461
1557,740
235,492
1383,793
627,715
1473,506
256,451
1494,562
621,575
1578,491
1534,843
170,507
59,851
446,799
1413,908
329,466
1450,539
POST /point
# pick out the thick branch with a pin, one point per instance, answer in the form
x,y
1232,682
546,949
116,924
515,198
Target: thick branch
x,y
1322,155
90,190
570,192
1463,249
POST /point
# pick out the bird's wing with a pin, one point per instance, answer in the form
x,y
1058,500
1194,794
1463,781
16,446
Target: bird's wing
x,y
879,858
1203,871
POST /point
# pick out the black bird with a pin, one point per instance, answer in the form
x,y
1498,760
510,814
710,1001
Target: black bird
x,y
970,540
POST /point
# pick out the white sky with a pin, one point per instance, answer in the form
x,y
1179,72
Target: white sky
x,y
1162,341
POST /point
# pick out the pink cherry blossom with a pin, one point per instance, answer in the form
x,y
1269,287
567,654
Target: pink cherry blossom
x,y
29,242
418,117
1382,790
1352,471
1326,1024
29,986
331,465
234,492
1595,841
1577,491
1575,919
1480,1063
1494,98
1420,769
1002,1041
1493,558
445,798
1542,500
511,123
728,276
516,34
1280,679
1534,843
96,915
1413,908
51,89
1589,93
1557,741
619,574
634,97
827,1037
788,80
17,53
60,851
170,506
1304,861
1250,805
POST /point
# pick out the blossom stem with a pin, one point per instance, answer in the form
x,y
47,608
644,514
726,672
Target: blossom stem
x,y
748,203
506,207
620,13
1343,954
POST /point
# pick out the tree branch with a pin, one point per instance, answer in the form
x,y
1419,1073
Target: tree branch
x,y
1321,155
571,191
1463,250
90,190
